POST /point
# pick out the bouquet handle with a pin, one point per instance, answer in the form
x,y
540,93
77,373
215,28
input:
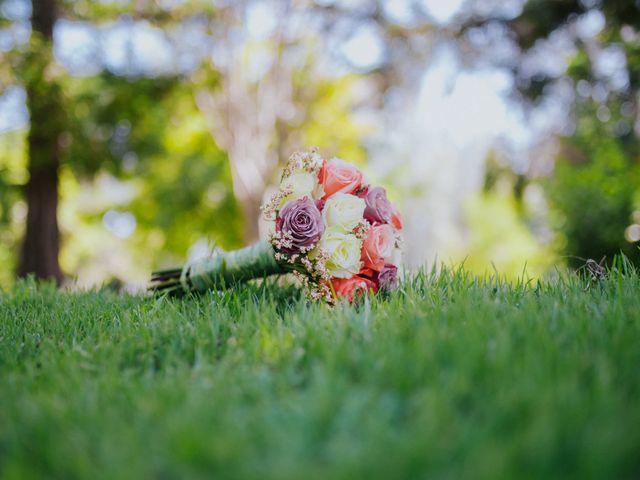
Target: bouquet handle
x,y
220,270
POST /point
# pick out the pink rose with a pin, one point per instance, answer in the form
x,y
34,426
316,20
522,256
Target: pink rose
x,y
336,176
353,288
377,246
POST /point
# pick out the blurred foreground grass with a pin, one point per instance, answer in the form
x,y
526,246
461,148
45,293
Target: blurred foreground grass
x,y
455,377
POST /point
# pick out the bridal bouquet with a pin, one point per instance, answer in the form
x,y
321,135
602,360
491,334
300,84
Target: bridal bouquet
x,y
339,235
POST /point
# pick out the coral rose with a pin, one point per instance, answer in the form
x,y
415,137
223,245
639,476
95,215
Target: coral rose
x,y
378,246
353,288
337,176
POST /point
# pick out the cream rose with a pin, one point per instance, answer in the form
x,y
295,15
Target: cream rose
x,y
344,252
302,184
344,211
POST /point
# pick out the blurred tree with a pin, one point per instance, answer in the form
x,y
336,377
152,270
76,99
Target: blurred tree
x,y
93,124
178,137
593,191
259,120
273,75
584,57
41,79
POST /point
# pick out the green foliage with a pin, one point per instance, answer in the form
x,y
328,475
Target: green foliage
x,y
158,12
113,116
598,173
519,381
328,122
13,174
194,174
539,18
593,192
500,237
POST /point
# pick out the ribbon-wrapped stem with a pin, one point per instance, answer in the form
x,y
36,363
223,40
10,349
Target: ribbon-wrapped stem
x,y
220,270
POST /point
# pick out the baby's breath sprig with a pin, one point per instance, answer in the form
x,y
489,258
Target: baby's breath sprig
x,y
309,161
320,270
361,229
321,291
281,241
312,273
399,240
271,207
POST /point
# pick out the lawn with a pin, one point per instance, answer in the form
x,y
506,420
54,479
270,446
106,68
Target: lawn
x,y
453,377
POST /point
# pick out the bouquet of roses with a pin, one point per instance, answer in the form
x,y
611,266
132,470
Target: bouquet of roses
x,y
336,233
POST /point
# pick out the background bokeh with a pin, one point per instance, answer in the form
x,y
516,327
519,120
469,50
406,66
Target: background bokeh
x,y
506,130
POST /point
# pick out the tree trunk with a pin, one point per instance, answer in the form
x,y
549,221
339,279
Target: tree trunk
x,y
251,211
42,238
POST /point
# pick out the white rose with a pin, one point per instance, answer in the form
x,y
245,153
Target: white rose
x,y
344,211
303,184
344,251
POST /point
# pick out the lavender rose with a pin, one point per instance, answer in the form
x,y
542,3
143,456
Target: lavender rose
x,y
387,278
302,221
378,208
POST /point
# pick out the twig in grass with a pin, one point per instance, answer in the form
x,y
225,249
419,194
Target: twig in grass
x,y
597,270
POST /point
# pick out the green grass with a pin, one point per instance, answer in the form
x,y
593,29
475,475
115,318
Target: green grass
x,y
454,377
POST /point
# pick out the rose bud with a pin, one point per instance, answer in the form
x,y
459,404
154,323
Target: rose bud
x,y
378,246
396,219
353,288
378,209
302,221
387,278
336,176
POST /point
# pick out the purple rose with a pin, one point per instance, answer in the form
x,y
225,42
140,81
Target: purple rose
x,y
378,209
302,221
387,278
